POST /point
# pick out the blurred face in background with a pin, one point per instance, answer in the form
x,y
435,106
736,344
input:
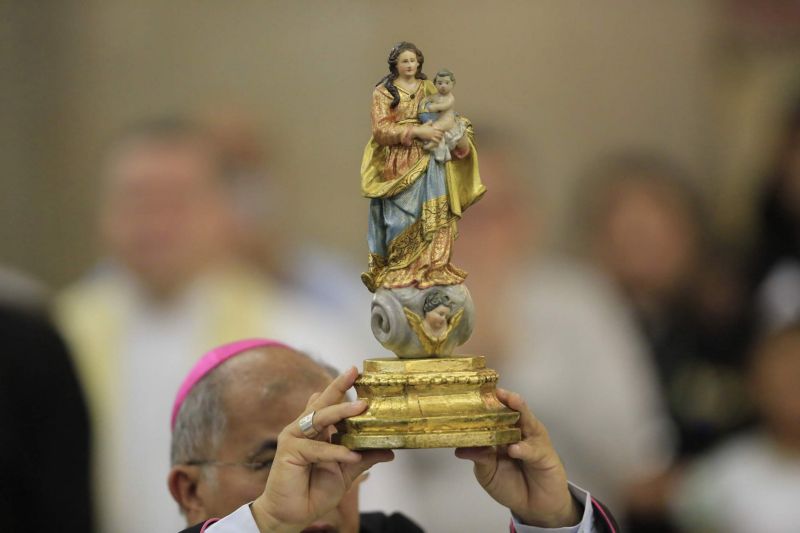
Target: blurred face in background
x,y
776,385
647,239
165,216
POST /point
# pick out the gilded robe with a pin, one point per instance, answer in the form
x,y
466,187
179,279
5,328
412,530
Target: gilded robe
x,y
414,199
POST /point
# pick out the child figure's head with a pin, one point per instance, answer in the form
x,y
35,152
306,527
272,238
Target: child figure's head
x,y
775,379
436,309
444,81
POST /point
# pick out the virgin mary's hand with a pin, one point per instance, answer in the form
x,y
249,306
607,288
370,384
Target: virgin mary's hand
x,y
309,477
527,477
427,132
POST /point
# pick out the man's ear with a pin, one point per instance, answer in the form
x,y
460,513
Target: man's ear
x,y
183,483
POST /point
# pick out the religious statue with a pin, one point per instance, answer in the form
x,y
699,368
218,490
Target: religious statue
x,y
415,199
420,172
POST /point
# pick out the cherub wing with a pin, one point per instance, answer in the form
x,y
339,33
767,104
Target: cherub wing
x,y
415,321
454,322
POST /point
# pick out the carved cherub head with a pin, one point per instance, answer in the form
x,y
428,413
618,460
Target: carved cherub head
x,y
436,310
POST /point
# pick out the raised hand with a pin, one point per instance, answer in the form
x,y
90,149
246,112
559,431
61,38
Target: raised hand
x,y
310,476
527,477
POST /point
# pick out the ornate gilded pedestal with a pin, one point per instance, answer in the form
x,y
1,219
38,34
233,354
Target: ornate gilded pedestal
x,y
429,403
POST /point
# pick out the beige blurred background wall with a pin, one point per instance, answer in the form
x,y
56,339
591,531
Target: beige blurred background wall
x,y
572,79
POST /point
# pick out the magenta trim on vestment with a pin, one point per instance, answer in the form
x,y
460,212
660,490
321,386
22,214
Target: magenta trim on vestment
x,y
212,360
208,523
605,516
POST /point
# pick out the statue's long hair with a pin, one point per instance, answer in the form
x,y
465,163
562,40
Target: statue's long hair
x,y
388,80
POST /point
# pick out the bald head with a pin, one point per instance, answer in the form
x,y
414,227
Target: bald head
x,y
273,376
226,431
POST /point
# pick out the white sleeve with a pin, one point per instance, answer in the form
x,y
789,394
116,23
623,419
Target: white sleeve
x,y
239,521
586,525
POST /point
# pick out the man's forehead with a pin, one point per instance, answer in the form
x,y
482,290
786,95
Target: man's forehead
x,y
277,361
264,389
258,412
277,376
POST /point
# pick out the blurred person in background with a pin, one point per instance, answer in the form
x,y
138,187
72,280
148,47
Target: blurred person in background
x,y
645,227
776,263
44,440
752,482
559,335
645,230
320,272
173,284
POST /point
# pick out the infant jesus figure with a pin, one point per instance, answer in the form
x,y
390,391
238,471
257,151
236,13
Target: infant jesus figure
x,y
438,110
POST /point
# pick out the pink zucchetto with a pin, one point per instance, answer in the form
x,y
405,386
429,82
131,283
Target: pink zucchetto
x,y
212,360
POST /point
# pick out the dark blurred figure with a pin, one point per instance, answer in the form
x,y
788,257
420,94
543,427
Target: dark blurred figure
x,y
647,231
44,441
752,482
776,269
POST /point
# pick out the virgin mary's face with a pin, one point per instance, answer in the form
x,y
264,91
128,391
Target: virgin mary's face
x,y
407,64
